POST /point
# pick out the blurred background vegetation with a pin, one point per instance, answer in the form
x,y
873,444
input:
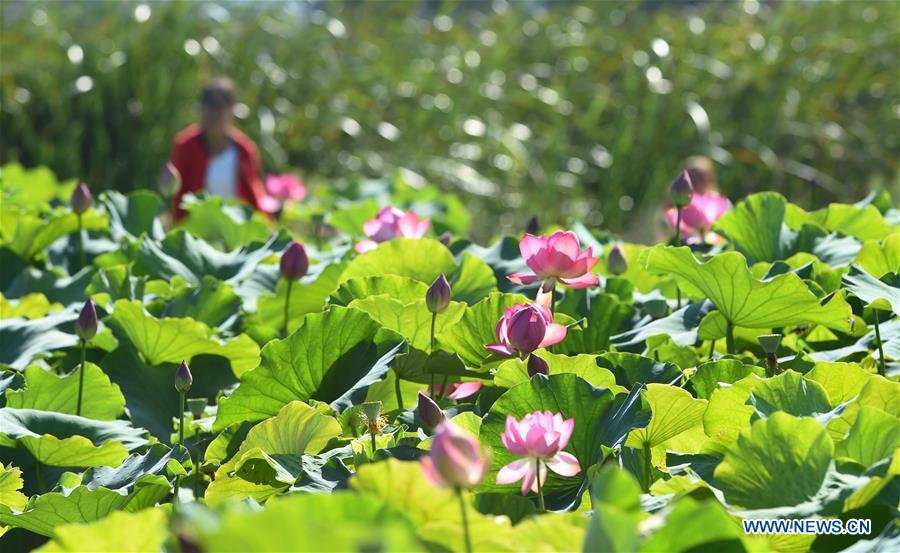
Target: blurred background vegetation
x,y
566,109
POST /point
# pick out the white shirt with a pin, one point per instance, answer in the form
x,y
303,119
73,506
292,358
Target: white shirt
x,y
221,173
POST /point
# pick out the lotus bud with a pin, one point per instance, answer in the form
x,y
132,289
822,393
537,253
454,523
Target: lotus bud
x,y
430,414
682,189
616,263
533,226
445,238
456,459
526,331
169,180
81,199
294,262
438,297
86,325
183,378
537,365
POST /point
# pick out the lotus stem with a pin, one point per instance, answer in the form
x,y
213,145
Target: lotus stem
x,y
541,507
647,465
81,378
398,392
678,243
374,445
82,255
712,349
465,519
729,337
181,420
433,320
287,306
881,367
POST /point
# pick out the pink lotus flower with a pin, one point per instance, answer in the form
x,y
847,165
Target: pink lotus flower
x,y
460,390
455,459
524,328
556,257
391,222
539,439
698,216
279,189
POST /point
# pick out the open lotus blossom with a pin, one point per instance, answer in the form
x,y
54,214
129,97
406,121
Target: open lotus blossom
x,y
279,189
698,216
539,439
455,459
556,257
391,222
458,390
524,328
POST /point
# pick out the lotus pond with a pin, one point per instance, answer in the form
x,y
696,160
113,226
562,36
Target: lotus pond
x,y
355,375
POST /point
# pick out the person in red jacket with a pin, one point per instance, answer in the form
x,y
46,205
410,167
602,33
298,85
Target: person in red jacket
x,y
215,157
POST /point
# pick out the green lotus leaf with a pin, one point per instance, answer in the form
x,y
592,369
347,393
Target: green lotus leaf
x,y
133,215
434,512
841,381
873,437
728,412
631,369
874,487
33,187
674,411
333,357
779,461
307,522
23,340
568,395
309,295
48,391
473,280
694,525
503,257
879,393
172,340
712,374
268,460
232,222
864,223
790,393
684,327
44,513
881,293
608,316
125,477
726,281
119,532
422,260
756,227
615,495
212,302
10,484
182,254
30,234
29,306
63,440
403,289
880,257
515,371
477,327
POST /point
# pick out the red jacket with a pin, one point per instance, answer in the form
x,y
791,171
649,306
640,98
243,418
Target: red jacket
x,y
190,156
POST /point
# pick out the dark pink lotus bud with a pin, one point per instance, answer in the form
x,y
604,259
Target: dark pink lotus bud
x,y
616,263
169,180
537,365
456,459
86,325
81,199
533,226
682,189
430,414
438,297
526,331
294,262
183,378
445,238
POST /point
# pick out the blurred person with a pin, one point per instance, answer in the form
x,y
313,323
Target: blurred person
x,y
214,156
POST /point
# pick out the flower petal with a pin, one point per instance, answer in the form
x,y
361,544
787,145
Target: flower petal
x,y
554,334
585,281
522,278
564,464
464,390
500,349
364,246
513,472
